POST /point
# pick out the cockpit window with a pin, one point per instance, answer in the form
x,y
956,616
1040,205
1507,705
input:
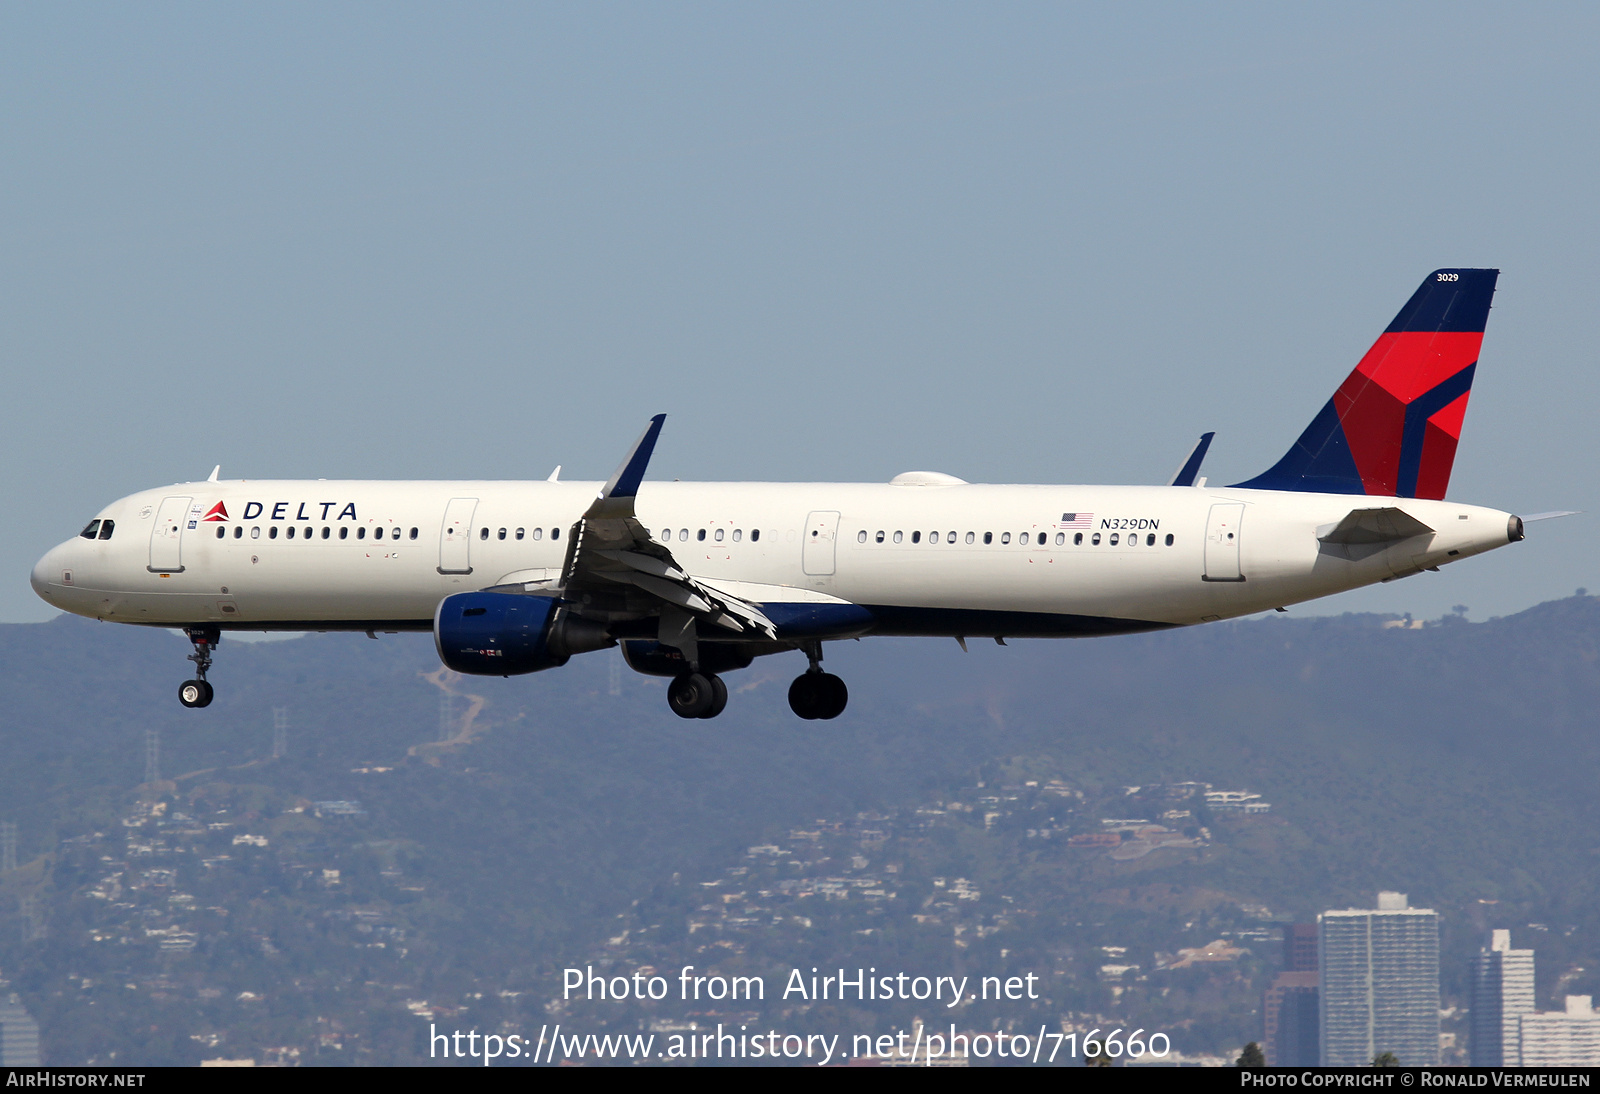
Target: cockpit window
x,y
106,528
90,529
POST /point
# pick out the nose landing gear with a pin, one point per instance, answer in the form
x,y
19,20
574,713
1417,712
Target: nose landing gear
x,y
197,692
816,694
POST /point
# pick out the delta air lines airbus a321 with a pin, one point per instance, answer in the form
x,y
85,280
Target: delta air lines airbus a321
x,y
698,579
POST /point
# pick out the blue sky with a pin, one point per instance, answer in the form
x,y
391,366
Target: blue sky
x,y
1014,243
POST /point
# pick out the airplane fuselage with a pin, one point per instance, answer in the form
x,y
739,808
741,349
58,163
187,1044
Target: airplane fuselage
x,y
920,559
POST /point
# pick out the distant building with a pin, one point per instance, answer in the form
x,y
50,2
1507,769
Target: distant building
x,y
1289,1006
19,1035
1561,1038
1300,947
1379,987
1502,992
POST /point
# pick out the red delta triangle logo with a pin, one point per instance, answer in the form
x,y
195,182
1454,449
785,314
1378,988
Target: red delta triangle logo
x,y
217,512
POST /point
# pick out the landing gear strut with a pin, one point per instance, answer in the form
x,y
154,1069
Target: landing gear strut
x,y
816,694
697,695
196,692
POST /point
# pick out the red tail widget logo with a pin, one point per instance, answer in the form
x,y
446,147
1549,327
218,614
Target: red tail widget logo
x,y
1392,427
216,513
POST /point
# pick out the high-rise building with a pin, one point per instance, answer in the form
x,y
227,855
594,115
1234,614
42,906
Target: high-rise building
x,y
1289,1006
1379,987
1561,1038
1300,947
19,1035
1502,991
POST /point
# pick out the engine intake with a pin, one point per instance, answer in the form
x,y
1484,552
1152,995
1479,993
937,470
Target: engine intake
x,y
509,634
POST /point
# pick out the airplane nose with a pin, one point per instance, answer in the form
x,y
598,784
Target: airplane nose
x,y
42,571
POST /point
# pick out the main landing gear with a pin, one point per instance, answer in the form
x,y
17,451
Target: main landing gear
x,y
816,694
196,692
813,695
697,695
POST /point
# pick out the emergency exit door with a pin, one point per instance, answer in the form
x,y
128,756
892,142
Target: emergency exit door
x,y
455,538
822,530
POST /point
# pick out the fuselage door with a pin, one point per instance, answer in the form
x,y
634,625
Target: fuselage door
x,y
166,536
455,538
822,528
1222,542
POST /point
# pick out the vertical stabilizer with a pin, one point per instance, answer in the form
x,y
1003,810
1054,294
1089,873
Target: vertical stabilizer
x,y
1392,427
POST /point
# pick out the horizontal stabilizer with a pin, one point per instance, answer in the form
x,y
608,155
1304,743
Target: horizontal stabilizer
x,y
1363,526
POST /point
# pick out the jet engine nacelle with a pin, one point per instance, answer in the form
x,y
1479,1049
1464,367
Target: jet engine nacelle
x,y
508,634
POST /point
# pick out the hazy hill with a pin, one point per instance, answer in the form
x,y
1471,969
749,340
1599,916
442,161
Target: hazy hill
x,y
1456,762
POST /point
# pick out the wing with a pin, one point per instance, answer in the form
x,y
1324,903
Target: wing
x,y
615,571
1185,475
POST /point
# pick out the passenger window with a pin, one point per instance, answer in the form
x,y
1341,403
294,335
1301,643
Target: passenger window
x,y
255,533
971,537
718,536
106,528
861,536
500,535
1077,539
520,533
1169,539
916,537
755,534
344,533
683,535
413,533
555,533
289,532
272,533
933,537
326,532
361,533
90,529
700,536
538,533
482,534
738,534
396,533
1023,539
879,537
988,537
221,532
1150,540
1095,541
238,533
1061,538
1113,539
1005,537
897,537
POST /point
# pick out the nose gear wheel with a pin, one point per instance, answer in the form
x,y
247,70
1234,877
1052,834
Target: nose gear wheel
x,y
197,692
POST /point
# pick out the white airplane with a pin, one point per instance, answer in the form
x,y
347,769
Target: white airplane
x,y
698,579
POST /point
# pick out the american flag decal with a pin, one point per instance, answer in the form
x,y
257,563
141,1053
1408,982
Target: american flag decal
x,y
1077,520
